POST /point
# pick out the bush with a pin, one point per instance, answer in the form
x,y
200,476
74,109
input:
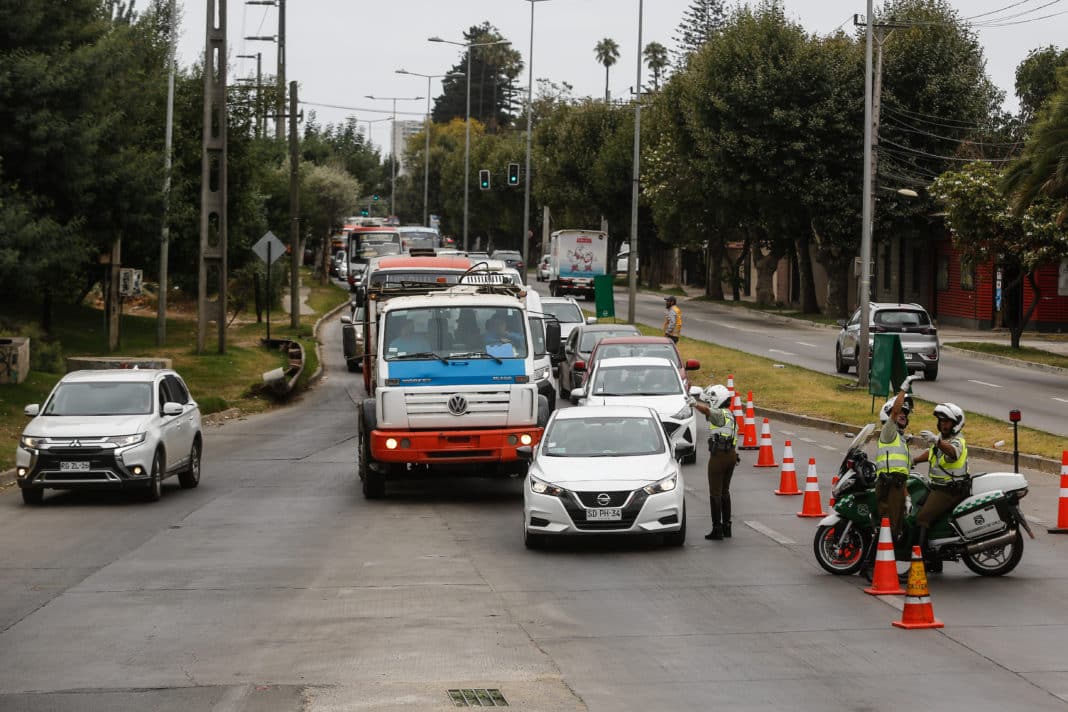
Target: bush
x,y
212,404
45,354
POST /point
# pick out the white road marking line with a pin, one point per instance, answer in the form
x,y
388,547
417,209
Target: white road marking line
x,y
984,383
1062,400
780,351
802,343
769,533
829,447
806,440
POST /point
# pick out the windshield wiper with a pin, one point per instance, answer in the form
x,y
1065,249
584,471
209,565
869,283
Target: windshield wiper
x,y
421,354
476,354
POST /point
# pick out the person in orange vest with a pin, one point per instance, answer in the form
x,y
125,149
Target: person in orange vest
x,y
673,319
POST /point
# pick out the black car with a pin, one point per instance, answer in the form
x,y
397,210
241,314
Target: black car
x,y
511,258
579,345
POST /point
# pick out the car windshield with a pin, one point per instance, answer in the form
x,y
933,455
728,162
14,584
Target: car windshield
x,y
592,338
620,350
101,398
565,312
603,437
415,239
631,381
495,332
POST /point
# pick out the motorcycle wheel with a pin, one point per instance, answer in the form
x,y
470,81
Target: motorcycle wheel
x,y
997,561
844,561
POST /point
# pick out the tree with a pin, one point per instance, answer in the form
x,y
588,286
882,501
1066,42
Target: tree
x,y
1036,79
494,71
699,21
1042,169
607,52
327,195
656,57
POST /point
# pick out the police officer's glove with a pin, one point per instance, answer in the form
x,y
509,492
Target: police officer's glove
x,y
690,401
930,437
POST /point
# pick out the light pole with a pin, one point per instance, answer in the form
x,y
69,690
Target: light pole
x,y
864,298
467,120
530,123
632,263
370,144
426,155
393,146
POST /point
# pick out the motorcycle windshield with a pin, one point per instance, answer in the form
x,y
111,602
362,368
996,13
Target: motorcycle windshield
x,y
858,442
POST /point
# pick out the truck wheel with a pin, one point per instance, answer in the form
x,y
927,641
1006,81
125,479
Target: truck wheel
x,y
543,411
372,482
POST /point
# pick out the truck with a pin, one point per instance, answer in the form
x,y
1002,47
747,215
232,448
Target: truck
x,y
575,258
453,386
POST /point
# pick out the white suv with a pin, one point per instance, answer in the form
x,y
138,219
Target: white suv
x,y
117,428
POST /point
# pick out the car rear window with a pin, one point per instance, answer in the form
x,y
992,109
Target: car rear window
x,y
592,338
901,318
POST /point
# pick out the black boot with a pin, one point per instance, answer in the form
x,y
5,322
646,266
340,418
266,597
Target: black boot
x,y
716,505
867,569
931,563
727,516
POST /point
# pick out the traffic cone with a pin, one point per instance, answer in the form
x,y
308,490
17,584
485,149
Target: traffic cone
x,y
787,476
830,500
810,506
766,456
739,414
1062,505
749,441
884,581
730,383
918,612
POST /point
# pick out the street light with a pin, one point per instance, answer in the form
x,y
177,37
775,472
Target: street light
x,y
467,120
530,123
426,156
393,146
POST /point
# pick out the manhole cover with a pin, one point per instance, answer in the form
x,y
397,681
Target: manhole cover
x,y
477,697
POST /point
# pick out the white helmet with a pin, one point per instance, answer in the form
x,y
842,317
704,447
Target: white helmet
x,y
716,395
951,412
906,407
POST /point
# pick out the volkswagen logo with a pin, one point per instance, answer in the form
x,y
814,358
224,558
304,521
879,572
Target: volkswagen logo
x,y
604,499
457,405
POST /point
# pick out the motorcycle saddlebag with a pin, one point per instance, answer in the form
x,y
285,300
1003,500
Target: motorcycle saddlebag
x,y
978,515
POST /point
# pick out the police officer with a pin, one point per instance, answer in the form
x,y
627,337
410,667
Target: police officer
x,y
947,459
672,319
722,456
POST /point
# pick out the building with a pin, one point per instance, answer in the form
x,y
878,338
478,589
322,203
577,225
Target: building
x,y
402,131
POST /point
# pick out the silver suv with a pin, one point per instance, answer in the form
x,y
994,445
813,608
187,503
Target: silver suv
x,y
114,428
911,322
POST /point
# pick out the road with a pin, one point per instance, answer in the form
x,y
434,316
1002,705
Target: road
x,y
975,384
276,586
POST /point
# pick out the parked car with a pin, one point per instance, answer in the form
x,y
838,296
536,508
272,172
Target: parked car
x,y
623,260
352,336
919,337
655,346
114,428
651,382
542,274
579,345
567,311
603,469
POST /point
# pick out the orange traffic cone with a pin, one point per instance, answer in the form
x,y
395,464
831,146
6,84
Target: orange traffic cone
x,y
884,580
1062,505
830,500
730,383
766,456
787,476
749,441
918,612
810,506
739,414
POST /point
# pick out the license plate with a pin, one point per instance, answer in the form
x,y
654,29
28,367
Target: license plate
x,y
604,514
73,466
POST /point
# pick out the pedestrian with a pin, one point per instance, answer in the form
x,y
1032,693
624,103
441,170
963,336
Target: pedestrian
x,y
947,461
722,456
672,319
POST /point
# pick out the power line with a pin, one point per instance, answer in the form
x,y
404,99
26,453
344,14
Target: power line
x,y
1000,9
914,130
361,109
943,158
1024,22
926,119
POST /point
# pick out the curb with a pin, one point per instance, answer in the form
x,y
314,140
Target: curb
x,y
318,344
1007,360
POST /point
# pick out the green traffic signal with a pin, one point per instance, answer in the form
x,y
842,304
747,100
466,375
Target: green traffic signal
x,y
374,197
484,179
513,174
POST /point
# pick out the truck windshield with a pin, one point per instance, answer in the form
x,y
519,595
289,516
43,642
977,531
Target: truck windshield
x,y
497,332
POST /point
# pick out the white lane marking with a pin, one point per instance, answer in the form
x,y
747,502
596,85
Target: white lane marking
x,y
769,533
984,383
829,447
1062,400
780,351
802,343
806,440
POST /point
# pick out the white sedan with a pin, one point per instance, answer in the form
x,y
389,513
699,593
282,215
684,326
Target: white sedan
x,y
603,469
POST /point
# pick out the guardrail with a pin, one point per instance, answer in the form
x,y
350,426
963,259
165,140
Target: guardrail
x,y
283,379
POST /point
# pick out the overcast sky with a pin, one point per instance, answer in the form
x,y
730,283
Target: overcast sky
x,y
342,50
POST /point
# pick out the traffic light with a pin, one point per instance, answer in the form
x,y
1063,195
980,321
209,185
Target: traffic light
x,y
375,197
364,212
484,179
513,174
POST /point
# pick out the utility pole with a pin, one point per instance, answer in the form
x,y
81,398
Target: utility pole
x,y
297,251
281,78
632,272
259,91
165,230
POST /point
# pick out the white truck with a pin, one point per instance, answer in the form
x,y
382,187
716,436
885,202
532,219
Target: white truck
x,y
453,385
575,258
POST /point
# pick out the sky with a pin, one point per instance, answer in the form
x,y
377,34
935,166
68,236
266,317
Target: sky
x,y
340,51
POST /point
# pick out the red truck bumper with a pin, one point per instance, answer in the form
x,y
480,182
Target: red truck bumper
x,y
447,446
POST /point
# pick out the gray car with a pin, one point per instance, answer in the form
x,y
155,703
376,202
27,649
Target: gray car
x,y
911,322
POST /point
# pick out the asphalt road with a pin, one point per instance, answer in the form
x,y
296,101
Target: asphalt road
x,y
276,586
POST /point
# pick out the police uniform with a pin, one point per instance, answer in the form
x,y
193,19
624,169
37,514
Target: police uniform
x,y
722,457
892,462
949,487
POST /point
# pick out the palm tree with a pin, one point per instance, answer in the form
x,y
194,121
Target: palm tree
x,y
656,57
607,52
1042,169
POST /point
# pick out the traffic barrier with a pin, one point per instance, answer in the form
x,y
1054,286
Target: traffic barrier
x,y
749,441
766,456
834,483
739,414
787,476
884,581
1062,502
810,506
918,612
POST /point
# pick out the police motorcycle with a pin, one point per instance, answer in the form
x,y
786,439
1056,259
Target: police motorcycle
x,y
983,531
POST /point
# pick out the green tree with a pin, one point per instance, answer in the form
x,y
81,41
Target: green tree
x,y
607,52
1036,79
699,21
1042,169
656,57
495,97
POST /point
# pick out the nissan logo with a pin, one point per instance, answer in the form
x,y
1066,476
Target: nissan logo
x,y
604,499
457,405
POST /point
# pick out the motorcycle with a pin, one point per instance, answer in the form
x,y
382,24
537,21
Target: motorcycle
x,y
983,531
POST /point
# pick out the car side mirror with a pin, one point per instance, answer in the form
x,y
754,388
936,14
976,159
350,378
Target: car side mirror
x,y
32,410
696,391
841,323
171,408
552,336
525,452
346,319
693,365
361,293
578,394
591,320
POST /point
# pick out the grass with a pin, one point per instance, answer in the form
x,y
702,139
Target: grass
x,y
1024,353
772,309
217,381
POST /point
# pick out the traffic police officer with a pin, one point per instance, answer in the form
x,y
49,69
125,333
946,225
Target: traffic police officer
x,y
947,459
722,456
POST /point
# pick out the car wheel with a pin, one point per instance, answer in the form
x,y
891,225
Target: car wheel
x,y
839,363
33,496
373,483
533,541
190,476
930,373
677,538
154,490
353,366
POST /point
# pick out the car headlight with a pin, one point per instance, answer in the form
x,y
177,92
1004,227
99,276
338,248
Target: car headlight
x,y
668,484
30,442
685,414
126,440
541,374
542,487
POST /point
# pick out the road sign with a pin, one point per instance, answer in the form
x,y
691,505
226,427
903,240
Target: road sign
x,y
269,248
130,282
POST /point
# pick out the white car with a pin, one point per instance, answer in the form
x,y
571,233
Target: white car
x,y
651,382
114,428
543,269
604,469
567,311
